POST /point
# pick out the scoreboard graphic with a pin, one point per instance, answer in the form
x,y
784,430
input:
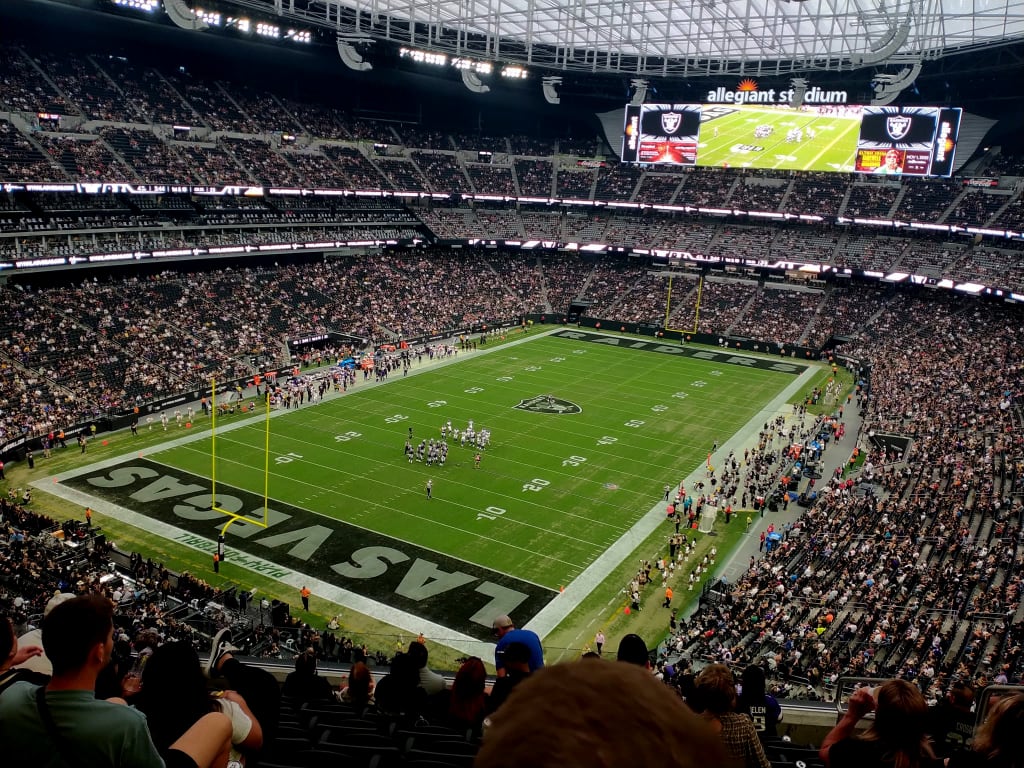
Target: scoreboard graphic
x,y
896,141
661,133
906,140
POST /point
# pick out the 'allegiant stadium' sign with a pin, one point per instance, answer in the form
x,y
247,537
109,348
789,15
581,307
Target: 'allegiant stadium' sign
x,y
747,92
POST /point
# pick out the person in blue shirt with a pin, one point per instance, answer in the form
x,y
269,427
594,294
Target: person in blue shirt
x,y
504,629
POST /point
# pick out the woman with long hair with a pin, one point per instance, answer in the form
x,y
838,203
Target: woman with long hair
x,y
174,695
896,739
467,702
997,742
359,689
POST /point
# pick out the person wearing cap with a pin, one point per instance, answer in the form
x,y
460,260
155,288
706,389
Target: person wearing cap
x,y
504,629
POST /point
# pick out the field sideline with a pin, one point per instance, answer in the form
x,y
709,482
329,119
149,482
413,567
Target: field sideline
x,y
352,518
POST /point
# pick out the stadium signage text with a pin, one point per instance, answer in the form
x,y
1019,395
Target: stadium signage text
x,y
724,358
746,94
454,593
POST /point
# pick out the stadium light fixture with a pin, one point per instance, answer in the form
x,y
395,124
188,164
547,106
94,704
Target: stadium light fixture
x,y
550,87
299,35
423,57
184,17
263,29
242,24
148,6
213,18
515,73
471,80
351,58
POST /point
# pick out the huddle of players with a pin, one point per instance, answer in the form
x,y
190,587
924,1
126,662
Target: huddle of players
x,y
793,135
436,451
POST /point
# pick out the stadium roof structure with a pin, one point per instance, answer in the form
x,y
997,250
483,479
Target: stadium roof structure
x,y
671,38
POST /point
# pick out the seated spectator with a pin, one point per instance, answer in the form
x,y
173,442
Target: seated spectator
x,y
257,686
13,653
517,668
34,637
304,684
896,737
633,650
467,702
175,695
358,689
399,692
756,704
715,698
997,744
951,721
65,722
430,681
589,714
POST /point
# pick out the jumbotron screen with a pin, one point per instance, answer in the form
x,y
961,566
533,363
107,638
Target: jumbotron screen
x,y
897,141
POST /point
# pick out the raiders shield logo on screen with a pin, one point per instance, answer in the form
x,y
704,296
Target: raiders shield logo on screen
x,y
670,122
897,126
547,404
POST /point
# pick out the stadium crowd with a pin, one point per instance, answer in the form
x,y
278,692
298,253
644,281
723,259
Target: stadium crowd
x,y
909,568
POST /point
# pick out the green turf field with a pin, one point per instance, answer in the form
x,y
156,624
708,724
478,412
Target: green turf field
x,y
586,431
552,492
832,148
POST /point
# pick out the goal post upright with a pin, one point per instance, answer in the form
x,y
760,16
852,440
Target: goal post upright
x,y
214,506
696,309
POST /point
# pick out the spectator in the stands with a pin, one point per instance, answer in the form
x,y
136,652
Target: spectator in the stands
x,y
504,629
896,738
175,695
997,743
592,714
399,693
256,685
517,669
715,699
467,702
65,722
633,650
754,702
951,721
34,637
358,689
12,654
430,681
305,684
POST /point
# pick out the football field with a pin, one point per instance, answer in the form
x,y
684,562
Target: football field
x,y
828,142
586,430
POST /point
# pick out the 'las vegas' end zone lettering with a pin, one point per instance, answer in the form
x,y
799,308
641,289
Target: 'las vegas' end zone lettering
x,y
453,593
724,358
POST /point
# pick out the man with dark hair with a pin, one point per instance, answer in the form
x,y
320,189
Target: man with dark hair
x,y
430,681
65,724
633,650
517,668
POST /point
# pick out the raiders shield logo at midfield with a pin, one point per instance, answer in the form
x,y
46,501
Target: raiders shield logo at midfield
x,y
670,122
548,404
897,126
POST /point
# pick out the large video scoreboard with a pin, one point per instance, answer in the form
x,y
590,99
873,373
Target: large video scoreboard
x,y
896,141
